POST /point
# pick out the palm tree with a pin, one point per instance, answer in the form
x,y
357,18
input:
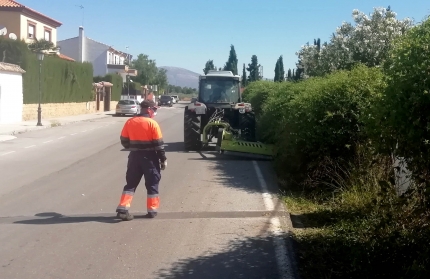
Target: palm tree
x,y
41,45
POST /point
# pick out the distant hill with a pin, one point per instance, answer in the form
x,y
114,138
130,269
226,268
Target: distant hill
x,y
181,77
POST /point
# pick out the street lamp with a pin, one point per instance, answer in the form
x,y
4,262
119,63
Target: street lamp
x,y
40,56
128,76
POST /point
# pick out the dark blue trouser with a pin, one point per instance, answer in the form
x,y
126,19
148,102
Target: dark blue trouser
x,y
146,164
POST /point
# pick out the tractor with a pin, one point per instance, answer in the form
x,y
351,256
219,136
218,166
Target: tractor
x,y
219,112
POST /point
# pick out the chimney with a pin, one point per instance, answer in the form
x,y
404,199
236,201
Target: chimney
x,y
82,47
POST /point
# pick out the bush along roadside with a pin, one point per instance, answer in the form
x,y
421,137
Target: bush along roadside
x,y
335,138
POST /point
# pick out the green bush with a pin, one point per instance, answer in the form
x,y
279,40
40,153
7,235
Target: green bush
x,y
117,82
401,117
61,81
364,230
257,92
318,120
15,52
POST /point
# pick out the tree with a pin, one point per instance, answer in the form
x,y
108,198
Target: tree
x,y
209,66
244,80
231,64
368,42
253,69
279,70
41,45
401,116
161,79
146,68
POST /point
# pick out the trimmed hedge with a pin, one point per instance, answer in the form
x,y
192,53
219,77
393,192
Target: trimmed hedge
x,y
61,81
117,82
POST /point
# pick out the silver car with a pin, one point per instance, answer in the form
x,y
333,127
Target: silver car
x,y
129,106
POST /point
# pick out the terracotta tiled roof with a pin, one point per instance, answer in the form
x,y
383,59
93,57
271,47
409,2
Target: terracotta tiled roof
x,y
7,67
10,4
14,4
102,83
62,56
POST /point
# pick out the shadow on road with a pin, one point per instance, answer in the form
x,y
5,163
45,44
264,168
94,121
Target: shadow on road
x,y
174,147
241,258
56,218
239,172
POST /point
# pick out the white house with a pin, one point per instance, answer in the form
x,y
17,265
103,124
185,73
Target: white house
x,y
11,98
104,58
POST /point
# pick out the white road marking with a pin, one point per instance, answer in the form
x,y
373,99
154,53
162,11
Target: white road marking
x,y
30,146
61,137
48,141
275,228
73,134
7,153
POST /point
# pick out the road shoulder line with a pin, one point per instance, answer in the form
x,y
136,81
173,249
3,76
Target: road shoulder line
x,y
282,254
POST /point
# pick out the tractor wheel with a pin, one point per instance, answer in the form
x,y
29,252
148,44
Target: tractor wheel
x,y
247,126
191,131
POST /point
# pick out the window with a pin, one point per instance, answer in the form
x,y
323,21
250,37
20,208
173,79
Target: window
x,y
48,35
31,30
126,102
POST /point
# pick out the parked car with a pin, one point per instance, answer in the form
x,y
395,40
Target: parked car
x,y
175,98
165,100
128,106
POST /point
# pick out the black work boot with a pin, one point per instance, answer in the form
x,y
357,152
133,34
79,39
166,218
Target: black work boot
x,y
151,215
125,216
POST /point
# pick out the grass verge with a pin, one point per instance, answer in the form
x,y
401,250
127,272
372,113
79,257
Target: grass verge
x,y
362,229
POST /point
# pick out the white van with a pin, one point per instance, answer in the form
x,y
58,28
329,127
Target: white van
x,y
175,98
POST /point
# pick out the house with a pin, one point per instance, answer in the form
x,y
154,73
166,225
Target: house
x,y
20,22
105,59
11,93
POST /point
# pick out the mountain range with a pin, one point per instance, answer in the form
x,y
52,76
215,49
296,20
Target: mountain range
x,y
181,77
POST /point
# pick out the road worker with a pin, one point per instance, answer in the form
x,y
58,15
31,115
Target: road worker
x,y
142,136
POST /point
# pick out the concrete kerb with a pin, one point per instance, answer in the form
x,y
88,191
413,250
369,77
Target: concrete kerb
x,y
55,122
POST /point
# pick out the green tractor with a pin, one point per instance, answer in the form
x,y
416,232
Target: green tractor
x,y
218,112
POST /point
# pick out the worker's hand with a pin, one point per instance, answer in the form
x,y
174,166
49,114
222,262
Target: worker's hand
x,y
163,165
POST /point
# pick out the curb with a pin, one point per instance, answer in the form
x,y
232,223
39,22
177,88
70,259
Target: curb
x,y
35,128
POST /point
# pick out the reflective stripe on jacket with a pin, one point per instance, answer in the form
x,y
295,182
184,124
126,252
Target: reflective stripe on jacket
x,y
143,133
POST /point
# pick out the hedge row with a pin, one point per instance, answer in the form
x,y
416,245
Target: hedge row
x,y
314,120
61,81
335,136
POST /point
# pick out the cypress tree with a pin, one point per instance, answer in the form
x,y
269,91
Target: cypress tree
x,y
253,69
281,69
231,64
277,71
244,79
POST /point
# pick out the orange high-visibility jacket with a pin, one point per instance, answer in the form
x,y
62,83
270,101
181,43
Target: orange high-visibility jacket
x,y
143,133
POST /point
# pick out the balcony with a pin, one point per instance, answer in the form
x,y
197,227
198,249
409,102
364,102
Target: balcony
x,y
118,67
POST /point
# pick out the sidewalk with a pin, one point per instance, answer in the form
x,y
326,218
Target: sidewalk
x,y
6,130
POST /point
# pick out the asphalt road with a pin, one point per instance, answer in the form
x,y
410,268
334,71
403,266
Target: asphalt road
x,y
59,189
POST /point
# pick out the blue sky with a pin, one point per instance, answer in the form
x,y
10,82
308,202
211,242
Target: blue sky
x,y
187,33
